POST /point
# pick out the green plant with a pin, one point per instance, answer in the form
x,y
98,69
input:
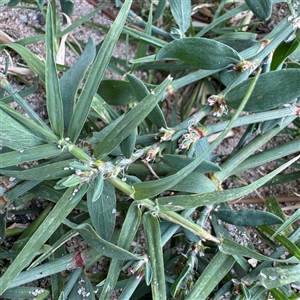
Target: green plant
x,y
99,170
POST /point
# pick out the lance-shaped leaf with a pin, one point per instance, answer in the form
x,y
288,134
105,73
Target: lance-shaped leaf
x,y
154,251
96,73
130,121
42,234
69,82
48,171
140,90
218,267
181,202
34,153
153,188
54,100
116,92
262,9
288,222
99,244
181,11
228,246
180,161
34,63
38,130
200,53
283,88
278,276
102,210
16,136
248,217
128,231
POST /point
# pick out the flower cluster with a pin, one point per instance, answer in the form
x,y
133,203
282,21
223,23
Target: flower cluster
x,y
219,105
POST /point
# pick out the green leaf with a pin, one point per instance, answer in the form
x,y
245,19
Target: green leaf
x,y
194,183
283,89
274,207
23,292
278,295
200,53
70,81
261,9
248,217
103,210
159,10
286,242
100,245
228,246
140,90
282,52
20,101
181,11
23,93
130,121
127,146
116,92
180,161
13,3
30,154
42,234
82,289
33,62
80,21
16,136
153,188
49,171
181,202
41,132
96,73
128,232
101,108
288,222
155,254
67,7
53,95
218,267
277,276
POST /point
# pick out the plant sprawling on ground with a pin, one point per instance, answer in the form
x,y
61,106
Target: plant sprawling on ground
x,y
129,156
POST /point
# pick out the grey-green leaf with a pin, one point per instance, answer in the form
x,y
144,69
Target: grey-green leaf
x,y
278,276
103,210
248,217
218,267
180,161
53,95
200,53
283,89
194,183
116,92
154,251
127,145
262,9
69,82
30,154
100,245
16,136
96,73
140,90
40,236
130,121
181,11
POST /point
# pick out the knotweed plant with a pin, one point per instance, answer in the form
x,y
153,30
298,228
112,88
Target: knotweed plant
x,y
130,158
